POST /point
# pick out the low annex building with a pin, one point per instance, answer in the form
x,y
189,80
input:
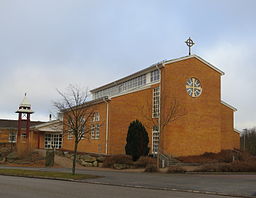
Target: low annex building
x,y
9,130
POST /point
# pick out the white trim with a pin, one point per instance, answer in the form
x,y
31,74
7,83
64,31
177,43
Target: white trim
x,y
135,90
46,124
228,105
194,56
237,131
106,143
134,75
151,68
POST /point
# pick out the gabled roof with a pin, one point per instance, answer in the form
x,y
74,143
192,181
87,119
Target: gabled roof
x,y
197,57
153,67
51,126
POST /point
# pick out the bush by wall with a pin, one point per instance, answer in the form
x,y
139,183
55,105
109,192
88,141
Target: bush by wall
x,y
236,166
137,140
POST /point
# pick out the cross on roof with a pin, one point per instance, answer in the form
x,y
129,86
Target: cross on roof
x,y
189,43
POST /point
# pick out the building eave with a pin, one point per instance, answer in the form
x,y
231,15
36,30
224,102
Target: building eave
x,y
134,75
89,103
237,131
228,105
46,124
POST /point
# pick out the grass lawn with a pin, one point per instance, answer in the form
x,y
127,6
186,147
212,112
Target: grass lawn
x,y
43,174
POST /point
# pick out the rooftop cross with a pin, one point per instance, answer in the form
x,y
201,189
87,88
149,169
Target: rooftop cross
x,y
189,43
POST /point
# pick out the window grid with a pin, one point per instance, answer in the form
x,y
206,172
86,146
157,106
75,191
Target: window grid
x,y
130,84
53,141
97,131
155,75
96,117
155,139
156,102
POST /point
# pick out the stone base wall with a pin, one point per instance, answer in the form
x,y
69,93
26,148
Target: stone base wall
x,y
84,159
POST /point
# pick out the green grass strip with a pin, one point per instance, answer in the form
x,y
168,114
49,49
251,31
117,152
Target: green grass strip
x,y
44,174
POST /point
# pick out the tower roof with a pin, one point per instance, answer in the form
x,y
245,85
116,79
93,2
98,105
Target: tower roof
x,y
25,106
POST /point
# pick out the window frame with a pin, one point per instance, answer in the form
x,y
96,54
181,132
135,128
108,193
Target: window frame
x,y
156,102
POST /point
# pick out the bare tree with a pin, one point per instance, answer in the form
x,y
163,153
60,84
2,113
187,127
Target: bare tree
x,y
248,140
77,115
170,109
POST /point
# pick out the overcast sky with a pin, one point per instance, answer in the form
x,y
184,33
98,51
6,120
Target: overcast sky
x,y
48,44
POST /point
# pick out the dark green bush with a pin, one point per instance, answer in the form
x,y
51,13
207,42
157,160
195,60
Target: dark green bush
x,y
137,140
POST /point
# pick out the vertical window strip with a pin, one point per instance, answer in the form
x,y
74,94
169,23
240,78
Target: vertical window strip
x,y
155,139
156,102
97,131
92,132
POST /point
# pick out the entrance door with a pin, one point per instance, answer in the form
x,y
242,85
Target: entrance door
x,y
52,140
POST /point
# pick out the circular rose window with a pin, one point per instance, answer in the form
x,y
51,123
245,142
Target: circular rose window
x,y
193,87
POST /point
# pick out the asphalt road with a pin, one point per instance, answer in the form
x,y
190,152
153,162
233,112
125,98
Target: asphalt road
x,y
18,187
240,185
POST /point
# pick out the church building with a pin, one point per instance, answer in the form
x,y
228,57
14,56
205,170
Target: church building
x,y
179,103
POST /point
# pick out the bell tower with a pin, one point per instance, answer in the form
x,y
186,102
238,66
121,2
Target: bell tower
x,y
23,136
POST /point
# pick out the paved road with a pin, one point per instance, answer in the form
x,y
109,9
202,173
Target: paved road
x,y
18,187
232,185
223,184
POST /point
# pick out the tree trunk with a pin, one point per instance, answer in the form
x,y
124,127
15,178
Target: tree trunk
x,y
74,158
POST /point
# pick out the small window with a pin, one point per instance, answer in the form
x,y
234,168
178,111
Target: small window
x,y
92,132
155,76
96,117
12,137
70,136
23,136
83,133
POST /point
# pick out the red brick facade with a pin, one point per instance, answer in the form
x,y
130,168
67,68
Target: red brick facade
x,y
206,125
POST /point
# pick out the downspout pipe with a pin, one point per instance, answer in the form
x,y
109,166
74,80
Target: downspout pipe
x,y
106,138
159,118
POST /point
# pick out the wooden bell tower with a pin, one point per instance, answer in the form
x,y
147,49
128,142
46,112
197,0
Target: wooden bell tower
x,y
23,136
